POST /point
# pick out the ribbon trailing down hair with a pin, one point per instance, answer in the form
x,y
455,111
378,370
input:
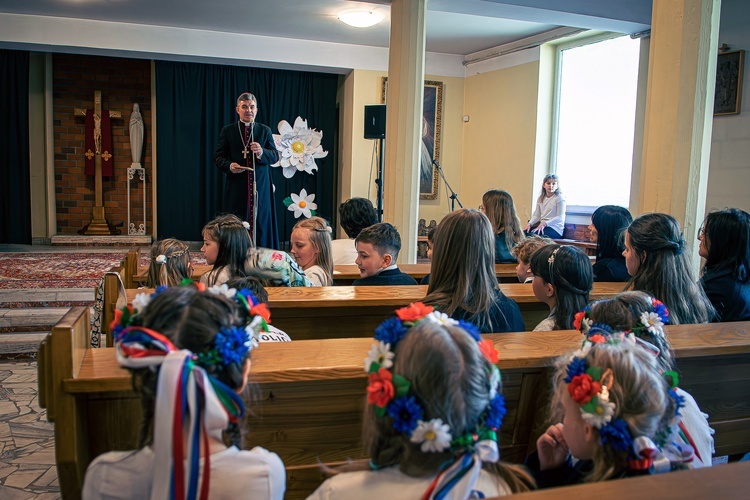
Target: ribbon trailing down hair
x,y
191,407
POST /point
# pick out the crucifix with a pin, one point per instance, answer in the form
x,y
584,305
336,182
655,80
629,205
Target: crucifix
x,y
99,224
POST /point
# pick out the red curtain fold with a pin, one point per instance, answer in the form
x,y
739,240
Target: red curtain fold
x,y
106,145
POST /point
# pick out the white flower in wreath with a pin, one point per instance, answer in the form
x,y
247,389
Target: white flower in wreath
x,y
652,322
440,318
224,290
601,412
301,203
381,354
298,147
435,436
141,301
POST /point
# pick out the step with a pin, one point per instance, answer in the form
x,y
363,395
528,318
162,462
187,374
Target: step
x,y
20,343
32,318
46,297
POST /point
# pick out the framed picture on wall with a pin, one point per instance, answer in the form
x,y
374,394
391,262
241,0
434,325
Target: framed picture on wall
x,y
432,118
728,92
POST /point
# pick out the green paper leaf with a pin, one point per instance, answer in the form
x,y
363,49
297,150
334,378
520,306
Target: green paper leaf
x,y
313,213
379,412
590,407
672,378
374,367
288,201
401,385
595,372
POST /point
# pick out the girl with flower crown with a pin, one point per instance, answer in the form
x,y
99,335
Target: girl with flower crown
x,y
226,241
640,318
189,355
311,248
169,264
614,404
434,412
658,262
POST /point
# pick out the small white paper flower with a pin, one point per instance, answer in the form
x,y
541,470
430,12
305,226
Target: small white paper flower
x,y
602,415
224,290
161,259
141,301
379,353
586,325
302,203
652,322
246,225
298,147
441,319
434,435
494,382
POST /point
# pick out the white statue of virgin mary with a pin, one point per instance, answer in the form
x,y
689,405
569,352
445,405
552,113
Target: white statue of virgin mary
x,y
136,135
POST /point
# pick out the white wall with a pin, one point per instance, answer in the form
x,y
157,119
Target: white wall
x,y
729,167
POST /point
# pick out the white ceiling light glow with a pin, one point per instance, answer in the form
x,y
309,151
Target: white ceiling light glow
x,y
361,18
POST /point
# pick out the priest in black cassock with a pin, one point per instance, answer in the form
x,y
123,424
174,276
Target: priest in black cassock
x,y
245,152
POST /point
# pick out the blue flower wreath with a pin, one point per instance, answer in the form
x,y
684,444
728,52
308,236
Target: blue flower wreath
x,y
391,331
405,411
496,412
576,367
617,434
232,345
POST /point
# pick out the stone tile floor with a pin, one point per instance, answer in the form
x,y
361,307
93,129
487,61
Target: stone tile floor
x,y
27,445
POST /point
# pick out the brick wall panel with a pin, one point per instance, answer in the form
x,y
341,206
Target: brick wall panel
x,y
122,82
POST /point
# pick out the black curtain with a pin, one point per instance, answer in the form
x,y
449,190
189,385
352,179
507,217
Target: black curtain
x,y
15,180
194,101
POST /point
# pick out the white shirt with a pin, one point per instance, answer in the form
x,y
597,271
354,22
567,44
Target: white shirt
x,y
391,483
274,335
255,473
551,211
317,276
344,252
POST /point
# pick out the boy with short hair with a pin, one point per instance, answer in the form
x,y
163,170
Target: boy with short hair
x,y
523,250
377,251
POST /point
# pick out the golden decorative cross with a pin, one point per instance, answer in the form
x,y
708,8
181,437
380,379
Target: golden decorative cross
x,y
99,224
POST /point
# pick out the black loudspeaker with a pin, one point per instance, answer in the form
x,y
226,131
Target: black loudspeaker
x,y
375,121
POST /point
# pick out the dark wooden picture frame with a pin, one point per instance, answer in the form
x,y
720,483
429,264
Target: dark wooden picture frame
x,y
432,123
728,92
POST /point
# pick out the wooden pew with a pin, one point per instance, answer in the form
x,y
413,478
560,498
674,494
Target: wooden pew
x,y
309,395
344,275
723,481
586,246
355,311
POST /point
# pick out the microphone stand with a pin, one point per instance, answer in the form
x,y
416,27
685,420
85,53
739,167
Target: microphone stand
x,y
453,196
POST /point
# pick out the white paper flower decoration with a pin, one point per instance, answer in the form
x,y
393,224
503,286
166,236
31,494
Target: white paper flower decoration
x,y
434,435
652,322
141,301
298,147
224,290
441,319
161,259
379,353
602,414
301,203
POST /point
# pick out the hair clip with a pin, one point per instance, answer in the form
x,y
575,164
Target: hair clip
x,y
246,225
161,259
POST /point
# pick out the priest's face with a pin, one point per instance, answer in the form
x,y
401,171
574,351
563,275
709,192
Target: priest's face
x,y
247,111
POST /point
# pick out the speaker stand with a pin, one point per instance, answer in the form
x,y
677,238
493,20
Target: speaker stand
x,y
379,179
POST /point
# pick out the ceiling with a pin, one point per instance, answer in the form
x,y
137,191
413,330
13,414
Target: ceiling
x,y
457,27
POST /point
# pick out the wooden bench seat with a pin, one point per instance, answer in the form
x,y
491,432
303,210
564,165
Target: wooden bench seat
x,y
355,311
723,481
309,395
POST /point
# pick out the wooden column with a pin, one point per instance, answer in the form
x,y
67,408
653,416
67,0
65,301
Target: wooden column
x,y
99,224
679,111
404,121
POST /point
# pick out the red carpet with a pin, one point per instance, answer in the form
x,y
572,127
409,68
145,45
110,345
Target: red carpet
x,y
55,270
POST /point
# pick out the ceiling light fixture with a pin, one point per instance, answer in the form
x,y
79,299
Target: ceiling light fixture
x,y
361,18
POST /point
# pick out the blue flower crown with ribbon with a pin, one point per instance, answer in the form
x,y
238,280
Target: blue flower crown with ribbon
x,y
589,387
190,401
390,393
